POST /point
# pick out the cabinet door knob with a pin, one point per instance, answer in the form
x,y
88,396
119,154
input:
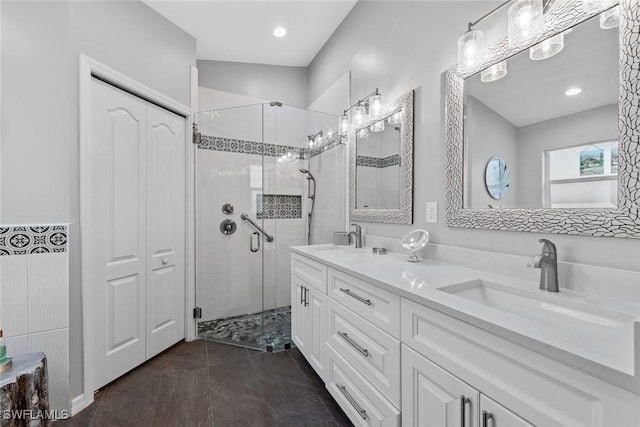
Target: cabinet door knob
x,y
463,412
165,261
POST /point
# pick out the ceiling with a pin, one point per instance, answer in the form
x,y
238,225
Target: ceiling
x,y
241,31
533,91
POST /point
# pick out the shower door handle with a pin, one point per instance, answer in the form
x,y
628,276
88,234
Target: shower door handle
x,y
251,240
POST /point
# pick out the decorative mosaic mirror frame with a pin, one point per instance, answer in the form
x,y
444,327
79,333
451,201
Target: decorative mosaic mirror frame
x,y
623,221
403,215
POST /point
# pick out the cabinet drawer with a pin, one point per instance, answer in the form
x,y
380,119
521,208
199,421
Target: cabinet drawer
x,y
361,402
498,415
540,390
371,351
380,307
312,272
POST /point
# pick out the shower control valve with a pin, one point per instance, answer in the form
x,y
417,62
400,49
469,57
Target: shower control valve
x,y
228,226
227,209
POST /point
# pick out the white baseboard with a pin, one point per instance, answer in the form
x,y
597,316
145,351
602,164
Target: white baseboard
x,y
78,403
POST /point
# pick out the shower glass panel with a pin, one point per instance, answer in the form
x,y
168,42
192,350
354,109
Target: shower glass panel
x,y
250,157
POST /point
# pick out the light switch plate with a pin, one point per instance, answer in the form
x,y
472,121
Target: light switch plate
x,y
432,212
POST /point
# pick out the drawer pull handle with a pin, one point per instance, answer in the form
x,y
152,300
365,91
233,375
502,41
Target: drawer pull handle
x,y
486,416
463,413
358,297
343,390
348,339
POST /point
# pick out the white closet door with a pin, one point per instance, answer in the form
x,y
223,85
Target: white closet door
x,y
165,229
115,230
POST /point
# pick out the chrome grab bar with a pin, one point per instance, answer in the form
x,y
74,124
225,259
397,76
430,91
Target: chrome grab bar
x,y
247,218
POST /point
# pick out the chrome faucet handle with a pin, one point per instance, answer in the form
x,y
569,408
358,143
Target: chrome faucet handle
x,y
548,248
358,228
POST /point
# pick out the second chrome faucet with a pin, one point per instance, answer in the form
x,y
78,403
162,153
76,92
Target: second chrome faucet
x,y
547,262
357,235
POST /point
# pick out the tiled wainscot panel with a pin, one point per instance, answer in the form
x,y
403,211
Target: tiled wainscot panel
x,y
34,299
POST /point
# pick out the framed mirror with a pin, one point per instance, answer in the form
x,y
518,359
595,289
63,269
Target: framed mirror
x,y
381,166
565,122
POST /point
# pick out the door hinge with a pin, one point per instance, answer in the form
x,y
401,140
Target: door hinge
x,y
197,136
197,313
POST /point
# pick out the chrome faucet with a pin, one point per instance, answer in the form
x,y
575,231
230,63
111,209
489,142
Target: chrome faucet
x,y
357,235
547,262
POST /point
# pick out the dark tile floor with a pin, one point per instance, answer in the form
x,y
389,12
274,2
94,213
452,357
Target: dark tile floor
x,y
209,384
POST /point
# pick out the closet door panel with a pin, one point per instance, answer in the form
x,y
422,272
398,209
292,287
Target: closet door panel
x,y
165,229
115,240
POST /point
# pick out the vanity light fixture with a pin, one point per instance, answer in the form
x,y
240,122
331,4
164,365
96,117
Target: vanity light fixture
x,y
315,139
371,106
610,18
377,126
525,20
279,31
573,91
363,133
359,116
343,125
288,156
493,73
395,119
471,49
471,45
547,48
375,106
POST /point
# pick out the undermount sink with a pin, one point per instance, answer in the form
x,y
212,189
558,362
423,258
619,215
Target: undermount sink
x,y
540,306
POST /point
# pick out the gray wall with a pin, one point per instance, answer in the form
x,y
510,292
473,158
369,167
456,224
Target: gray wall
x,y
39,165
288,85
397,46
488,134
588,126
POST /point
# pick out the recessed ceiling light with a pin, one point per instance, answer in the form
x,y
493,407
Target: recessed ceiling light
x,y
573,91
279,31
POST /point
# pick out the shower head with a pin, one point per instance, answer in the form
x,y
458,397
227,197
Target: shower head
x,y
305,171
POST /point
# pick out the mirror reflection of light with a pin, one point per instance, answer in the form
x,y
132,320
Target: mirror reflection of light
x,y
377,126
493,73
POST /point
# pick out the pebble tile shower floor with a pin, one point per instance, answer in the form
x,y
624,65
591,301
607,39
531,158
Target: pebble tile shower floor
x,y
204,383
269,330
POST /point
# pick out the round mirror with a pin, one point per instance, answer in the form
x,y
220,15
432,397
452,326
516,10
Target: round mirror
x,y
496,178
414,241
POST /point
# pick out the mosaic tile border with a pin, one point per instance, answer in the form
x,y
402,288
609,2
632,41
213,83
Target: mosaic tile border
x,y
378,162
33,239
278,206
230,145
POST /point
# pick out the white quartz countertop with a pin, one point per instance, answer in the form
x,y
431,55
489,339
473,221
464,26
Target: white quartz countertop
x,y
602,344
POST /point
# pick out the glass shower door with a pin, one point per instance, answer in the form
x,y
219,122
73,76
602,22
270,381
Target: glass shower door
x,y
229,249
255,194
